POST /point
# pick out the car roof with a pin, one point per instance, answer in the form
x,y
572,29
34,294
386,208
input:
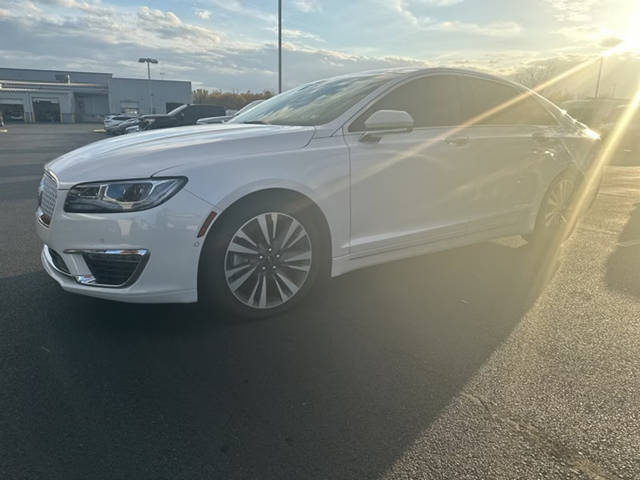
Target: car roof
x,y
420,71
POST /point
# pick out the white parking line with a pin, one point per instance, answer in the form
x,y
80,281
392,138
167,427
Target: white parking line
x,y
23,178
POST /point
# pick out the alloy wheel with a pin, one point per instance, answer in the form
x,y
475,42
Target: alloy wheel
x,y
558,209
268,260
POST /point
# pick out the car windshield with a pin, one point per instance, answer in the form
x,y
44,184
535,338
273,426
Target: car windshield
x,y
248,107
177,110
315,103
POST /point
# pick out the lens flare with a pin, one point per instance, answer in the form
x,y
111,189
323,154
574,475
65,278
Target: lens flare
x,y
609,147
632,38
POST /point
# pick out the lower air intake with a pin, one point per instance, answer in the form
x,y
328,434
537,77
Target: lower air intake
x,y
58,261
115,269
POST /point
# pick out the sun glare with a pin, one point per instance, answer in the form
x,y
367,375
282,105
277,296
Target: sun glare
x,y
632,38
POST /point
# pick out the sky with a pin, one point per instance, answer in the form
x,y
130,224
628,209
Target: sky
x,y
231,44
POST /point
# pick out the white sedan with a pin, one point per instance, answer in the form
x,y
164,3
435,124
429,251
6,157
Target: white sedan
x,y
329,177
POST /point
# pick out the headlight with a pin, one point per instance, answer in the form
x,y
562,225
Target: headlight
x,y
121,195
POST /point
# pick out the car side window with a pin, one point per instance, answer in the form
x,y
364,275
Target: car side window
x,y
191,114
494,103
432,102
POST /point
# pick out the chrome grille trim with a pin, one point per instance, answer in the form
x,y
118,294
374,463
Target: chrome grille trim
x,y
47,197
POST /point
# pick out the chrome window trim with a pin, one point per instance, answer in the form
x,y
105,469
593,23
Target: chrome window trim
x,y
391,86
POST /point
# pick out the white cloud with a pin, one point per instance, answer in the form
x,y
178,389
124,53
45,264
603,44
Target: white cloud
x,y
591,36
409,11
235,6
404,9
307,6
499,29
203,14
295,34
574,10
441,3
167,25
89,36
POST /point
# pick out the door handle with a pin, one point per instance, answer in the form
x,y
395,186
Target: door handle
x,y
457,141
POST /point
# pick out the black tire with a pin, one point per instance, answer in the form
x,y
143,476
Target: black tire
x,y
213,284
564,221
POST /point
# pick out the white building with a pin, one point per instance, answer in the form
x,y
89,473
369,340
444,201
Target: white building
x,y
66,96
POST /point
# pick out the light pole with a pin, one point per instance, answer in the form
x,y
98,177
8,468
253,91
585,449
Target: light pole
x,y
149,61
599,76
279,46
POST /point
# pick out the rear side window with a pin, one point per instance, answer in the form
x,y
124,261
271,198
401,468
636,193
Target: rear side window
x,y
212,110
431,101
494,103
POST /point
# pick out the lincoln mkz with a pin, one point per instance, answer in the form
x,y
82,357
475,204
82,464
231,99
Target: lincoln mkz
x,y
323,179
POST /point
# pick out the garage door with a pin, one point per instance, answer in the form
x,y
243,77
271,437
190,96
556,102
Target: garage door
x,y
12,110
46,110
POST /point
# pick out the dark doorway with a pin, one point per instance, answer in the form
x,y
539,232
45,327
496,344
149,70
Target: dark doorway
x,y
171,105
12,113
46,111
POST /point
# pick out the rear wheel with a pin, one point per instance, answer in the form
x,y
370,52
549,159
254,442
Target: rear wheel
x,y
262,260
557,217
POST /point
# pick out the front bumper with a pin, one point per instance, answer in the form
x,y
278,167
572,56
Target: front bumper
x,y
165,237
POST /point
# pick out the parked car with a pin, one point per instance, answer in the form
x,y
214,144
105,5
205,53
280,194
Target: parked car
x,y
111,122
592,111
226,118
16,117
121,127
628,146
132,129
326,178
183,115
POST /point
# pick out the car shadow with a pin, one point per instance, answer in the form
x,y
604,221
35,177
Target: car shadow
x,y
623,265
338,388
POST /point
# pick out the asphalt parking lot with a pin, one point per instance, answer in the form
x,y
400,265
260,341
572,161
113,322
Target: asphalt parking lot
x,y
467,364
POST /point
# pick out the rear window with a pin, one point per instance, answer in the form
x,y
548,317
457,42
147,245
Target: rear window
x,y
211,110
494,103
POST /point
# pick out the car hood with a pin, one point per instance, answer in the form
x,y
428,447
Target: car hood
x,y
141,155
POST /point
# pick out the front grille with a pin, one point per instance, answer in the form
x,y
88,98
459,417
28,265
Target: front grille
x,y
113,269
47,198
58,261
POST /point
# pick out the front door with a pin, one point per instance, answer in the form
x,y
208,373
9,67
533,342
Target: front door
x,y
411,188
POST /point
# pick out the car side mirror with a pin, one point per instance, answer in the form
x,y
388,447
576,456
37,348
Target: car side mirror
x,y
384,122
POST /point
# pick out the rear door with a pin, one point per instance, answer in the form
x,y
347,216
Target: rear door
x,y
516,149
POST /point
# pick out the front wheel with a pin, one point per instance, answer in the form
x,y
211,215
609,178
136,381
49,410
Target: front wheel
x,y
261,261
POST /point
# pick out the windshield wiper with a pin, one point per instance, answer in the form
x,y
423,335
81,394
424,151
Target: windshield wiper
x,y
256,122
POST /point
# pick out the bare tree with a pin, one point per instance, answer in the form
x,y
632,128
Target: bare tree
x,y
228,100
536,74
